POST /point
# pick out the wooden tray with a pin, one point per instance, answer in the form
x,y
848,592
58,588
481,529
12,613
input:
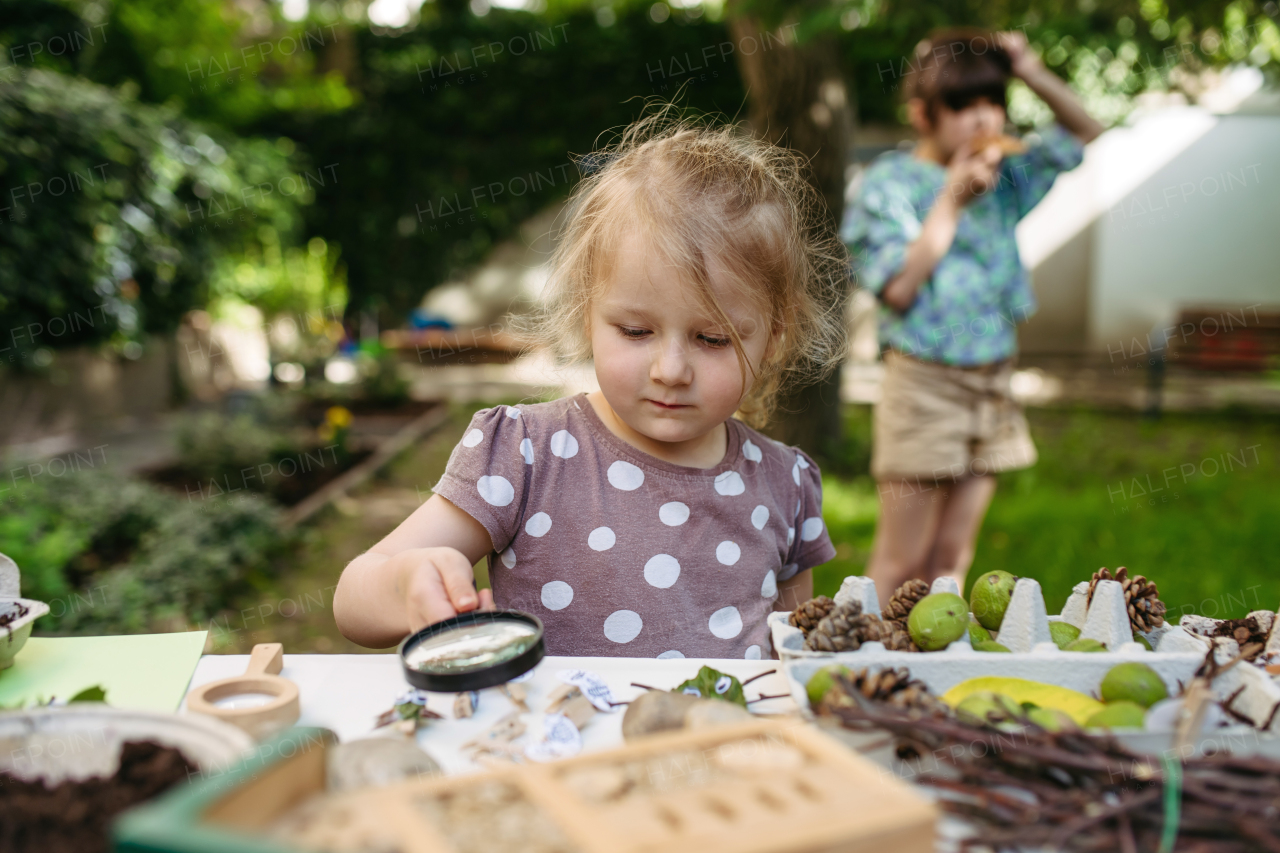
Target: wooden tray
x,y
758,787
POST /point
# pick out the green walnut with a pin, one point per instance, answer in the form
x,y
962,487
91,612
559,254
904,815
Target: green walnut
x,y
938,620
1063,633
1085,646
1119,715
990,596
1133,682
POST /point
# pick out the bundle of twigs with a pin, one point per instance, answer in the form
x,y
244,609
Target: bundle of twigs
x,y
1023,786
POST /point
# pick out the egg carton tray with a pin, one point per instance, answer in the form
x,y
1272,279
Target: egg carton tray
x,y
1177,650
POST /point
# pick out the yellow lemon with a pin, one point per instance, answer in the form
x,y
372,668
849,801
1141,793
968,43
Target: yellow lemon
x,y
1075,705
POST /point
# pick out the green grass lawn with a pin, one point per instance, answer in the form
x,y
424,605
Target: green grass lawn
x,y
1190,501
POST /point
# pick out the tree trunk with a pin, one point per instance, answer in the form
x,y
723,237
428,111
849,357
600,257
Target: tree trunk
x,y
797,99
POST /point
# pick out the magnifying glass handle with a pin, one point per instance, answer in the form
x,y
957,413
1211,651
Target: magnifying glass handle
x,y
266,659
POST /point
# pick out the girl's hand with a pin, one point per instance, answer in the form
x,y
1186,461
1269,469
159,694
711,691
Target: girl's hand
x,y
436,584
972,173
1024,59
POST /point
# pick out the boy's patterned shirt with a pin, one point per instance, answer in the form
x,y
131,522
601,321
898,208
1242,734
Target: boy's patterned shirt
x,y
966,313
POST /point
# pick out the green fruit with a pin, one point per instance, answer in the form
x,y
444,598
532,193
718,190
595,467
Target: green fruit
x,y
1118,715
978,634
1063,633
1133,682
990,596
1051,719
822,681
987,707
1138,638
989,646
1085,646
938,620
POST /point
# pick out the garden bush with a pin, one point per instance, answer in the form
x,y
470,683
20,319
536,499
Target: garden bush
x,y
114,554
116,211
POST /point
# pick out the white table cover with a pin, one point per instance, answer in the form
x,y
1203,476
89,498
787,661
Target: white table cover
x,y
346,693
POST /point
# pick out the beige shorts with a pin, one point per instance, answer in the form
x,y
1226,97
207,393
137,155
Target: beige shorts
x,y
938,422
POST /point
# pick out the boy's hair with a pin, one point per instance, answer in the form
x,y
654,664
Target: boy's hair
x,y
694,190
956,67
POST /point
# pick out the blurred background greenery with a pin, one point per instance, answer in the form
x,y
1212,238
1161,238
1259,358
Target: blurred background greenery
x,y
328,163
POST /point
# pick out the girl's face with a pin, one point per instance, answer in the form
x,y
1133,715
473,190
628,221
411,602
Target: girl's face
x,y
667,370
952,128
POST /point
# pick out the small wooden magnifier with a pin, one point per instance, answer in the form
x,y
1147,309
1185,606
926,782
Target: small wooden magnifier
x,y
260,702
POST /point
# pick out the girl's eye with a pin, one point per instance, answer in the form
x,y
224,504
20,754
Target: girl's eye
x,y
632,333
715,342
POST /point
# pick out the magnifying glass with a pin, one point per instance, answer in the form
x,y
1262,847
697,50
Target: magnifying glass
x,y
472,651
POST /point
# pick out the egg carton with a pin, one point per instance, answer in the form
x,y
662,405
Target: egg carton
x,y
1176,653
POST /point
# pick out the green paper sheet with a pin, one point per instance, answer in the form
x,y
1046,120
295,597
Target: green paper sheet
x,y
145,672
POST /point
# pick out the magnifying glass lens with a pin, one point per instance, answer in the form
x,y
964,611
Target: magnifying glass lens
x,y
474,646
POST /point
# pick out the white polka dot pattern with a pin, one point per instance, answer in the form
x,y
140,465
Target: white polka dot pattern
x,y
556,595
662,571
730,483
673,514
811,529
726,623
538,524
623,626
728,552
670,560
564,445
625,476
601,539
496,491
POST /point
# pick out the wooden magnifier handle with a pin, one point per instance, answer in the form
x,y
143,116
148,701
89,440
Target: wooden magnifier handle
x,y
266,659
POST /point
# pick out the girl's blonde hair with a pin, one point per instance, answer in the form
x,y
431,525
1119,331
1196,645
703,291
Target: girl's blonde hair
x,y
697,190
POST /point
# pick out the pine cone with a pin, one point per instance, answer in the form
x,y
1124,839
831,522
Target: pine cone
x,y
847,628
892,634
903,599
837,631
807,616
894,686
1146,610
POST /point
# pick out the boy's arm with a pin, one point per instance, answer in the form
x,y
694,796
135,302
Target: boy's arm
x,y
970,174
418,574
1066,107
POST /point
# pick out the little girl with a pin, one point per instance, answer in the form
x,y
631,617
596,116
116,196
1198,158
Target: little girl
x,y
643,519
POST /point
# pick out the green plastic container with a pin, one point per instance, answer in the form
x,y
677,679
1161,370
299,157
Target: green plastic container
x,y
219,811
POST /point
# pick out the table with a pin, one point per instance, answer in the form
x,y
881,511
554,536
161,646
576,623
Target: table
x,y
346,693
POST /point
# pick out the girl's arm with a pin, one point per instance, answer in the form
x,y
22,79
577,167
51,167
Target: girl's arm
x,y
794,592
1066,107
418,574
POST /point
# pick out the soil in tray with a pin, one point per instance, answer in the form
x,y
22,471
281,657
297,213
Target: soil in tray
x,y
75,817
